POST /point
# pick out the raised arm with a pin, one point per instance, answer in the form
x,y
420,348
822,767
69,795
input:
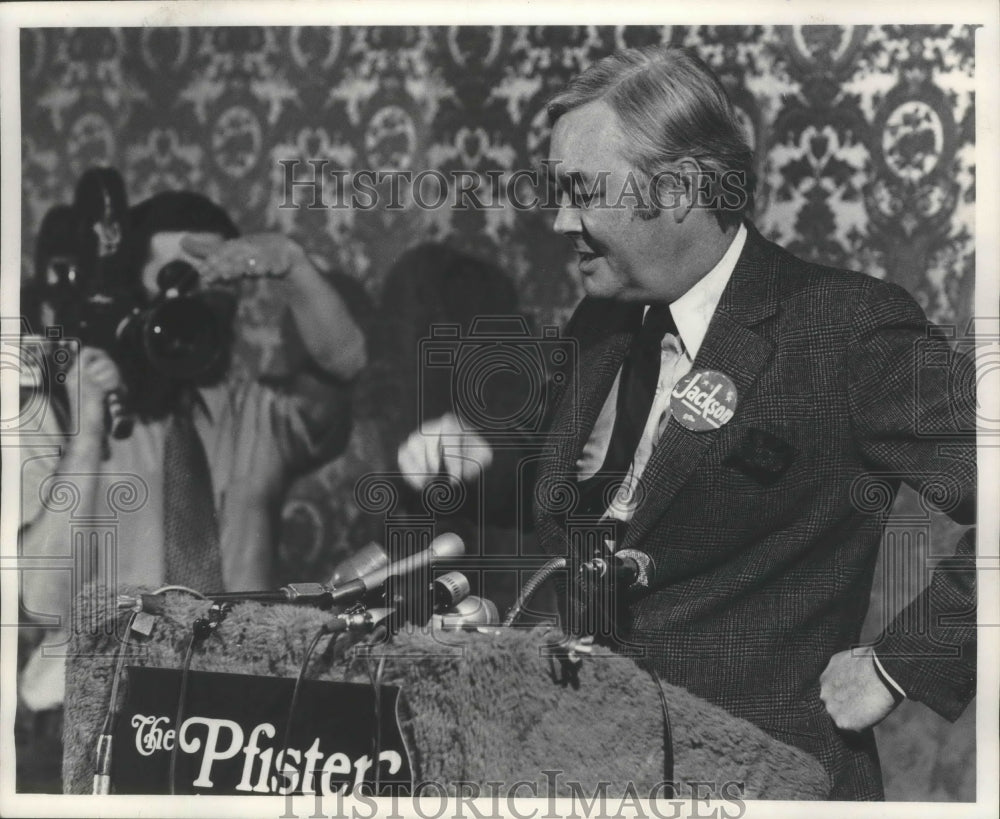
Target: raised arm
x,y
331,336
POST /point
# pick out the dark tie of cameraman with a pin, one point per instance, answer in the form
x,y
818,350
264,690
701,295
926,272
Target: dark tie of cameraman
x,y
190,526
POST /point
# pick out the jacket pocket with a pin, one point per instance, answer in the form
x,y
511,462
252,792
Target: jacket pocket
x,y
762,456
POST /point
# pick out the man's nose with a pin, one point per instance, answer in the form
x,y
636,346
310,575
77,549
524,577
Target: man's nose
x,y
568,220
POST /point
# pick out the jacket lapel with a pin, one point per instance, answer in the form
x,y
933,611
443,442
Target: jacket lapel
x,y
731,346
603,343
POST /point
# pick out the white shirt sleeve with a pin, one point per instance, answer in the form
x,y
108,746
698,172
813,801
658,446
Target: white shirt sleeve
x,y
887,677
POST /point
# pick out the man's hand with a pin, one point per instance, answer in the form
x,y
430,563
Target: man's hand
x,y
98,375
443,442
271,255
852,692
332,337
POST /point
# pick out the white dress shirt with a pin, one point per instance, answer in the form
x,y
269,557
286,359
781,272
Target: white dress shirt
x,y
692,314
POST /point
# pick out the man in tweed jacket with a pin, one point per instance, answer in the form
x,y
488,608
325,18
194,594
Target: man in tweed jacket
x,y
764,530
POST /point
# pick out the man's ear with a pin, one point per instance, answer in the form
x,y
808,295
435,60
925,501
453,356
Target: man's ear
x,y
688,179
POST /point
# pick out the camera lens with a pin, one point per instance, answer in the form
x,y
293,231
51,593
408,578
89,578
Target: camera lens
x,y
177,275
183,338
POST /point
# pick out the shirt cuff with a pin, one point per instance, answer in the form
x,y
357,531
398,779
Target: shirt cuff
x,y
894,687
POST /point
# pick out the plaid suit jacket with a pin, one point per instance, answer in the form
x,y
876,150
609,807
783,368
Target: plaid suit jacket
x,y
765,532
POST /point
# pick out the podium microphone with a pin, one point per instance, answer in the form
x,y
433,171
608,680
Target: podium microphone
x,y
367,559
361,622
468,615
443,546
326,595
449,590
628,568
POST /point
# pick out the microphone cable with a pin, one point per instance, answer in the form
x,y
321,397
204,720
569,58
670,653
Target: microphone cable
x,y
295,691
102,765
376,681
533,584
378,634
668,736
185,668
102,772
201,630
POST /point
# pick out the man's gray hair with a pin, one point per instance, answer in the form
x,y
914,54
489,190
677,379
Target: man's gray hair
x,y
671,105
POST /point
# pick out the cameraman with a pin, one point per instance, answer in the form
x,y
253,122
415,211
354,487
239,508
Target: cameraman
x,y
209,459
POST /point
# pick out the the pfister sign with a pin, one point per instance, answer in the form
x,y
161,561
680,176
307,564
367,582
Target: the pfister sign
x,y
231,737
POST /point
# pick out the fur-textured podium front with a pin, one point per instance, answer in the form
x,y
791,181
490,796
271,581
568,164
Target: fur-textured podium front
x,y
476,707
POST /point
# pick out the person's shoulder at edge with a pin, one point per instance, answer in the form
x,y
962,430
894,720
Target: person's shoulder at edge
x,y
842,290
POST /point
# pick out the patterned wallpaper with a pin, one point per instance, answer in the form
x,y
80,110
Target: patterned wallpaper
x,y
864,139
864,134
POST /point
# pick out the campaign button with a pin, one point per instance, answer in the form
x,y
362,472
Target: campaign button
x,y
703,400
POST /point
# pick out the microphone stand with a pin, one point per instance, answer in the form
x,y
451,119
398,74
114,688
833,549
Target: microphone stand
x,y
304,593
351,591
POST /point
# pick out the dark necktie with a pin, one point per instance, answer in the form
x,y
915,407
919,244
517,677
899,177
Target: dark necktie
x,y
190,529
636,390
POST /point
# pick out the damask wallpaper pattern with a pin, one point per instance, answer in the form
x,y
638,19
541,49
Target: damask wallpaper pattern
x,y
865,153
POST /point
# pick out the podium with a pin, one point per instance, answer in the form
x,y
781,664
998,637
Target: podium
x,y
474,707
